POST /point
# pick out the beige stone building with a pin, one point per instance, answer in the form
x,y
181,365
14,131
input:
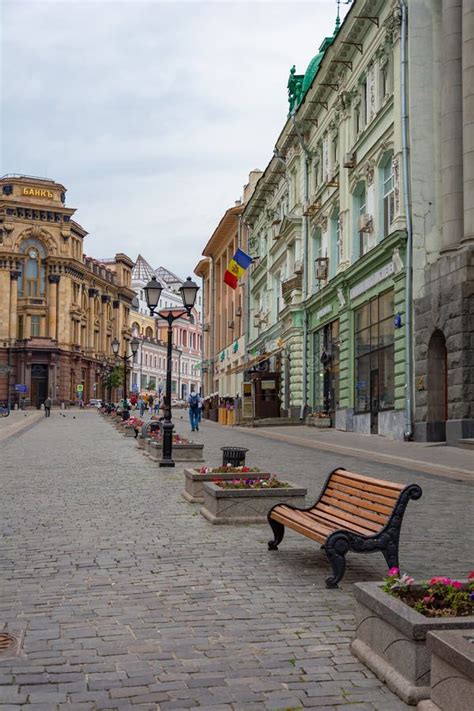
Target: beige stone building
x,y
59,309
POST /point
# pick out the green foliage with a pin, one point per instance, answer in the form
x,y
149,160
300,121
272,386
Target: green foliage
x,y
115,378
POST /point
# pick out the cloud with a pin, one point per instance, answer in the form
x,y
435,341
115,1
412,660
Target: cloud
x,y
151,113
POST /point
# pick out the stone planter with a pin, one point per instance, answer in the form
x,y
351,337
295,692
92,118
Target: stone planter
x,y
247,505
140,441
391,640
128,431
452,671
181,452
194,482
321,422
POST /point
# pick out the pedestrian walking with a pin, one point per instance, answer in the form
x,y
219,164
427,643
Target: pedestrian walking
x,y
193,402
150,403
47,407
156,405
141,406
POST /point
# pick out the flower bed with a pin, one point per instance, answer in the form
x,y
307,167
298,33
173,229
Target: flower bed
x,y
228,469
439,597
391,633
247,500
252,484
194,479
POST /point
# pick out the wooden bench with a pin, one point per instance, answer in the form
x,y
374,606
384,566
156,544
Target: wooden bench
x,y
353,512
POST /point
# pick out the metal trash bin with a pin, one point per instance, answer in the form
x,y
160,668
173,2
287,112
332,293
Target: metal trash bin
x,y
235,456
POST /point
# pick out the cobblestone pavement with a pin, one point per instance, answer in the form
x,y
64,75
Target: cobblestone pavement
x,y
124,597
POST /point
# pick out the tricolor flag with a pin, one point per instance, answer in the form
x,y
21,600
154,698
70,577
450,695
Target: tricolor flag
x,y
238,265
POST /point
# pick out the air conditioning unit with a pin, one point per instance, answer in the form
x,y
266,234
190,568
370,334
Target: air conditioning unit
x,y
206,327
238,311
321,264
256,321
365,223
349,160
298,267
230,324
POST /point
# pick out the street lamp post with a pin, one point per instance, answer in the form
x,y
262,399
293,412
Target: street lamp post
x,y
134,343
188,292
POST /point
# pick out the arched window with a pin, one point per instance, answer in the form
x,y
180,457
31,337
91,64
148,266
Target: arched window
x,y
149,333
33,280
135,329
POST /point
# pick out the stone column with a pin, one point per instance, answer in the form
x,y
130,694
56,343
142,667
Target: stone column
x,y
468,116
53,280
103,324
13,326
5,305
451,125
89,345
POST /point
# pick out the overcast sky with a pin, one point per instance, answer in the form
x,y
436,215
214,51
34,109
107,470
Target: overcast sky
x,y
150,113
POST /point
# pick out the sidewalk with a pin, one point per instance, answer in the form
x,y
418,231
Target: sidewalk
x,y
18,421
431,458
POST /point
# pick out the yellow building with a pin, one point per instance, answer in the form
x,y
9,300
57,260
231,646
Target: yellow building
x,y
59,309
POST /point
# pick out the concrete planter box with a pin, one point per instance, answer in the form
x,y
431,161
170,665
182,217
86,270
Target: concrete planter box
x,y
140,441
194,482
452,671
391,640
181,452
247,505
128,431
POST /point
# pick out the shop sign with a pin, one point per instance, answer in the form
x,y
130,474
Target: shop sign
x,y
80,388
372,280
268,384
324,312
38,192
21,388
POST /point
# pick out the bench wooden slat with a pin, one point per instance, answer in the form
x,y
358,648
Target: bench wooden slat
x,y
339,523
301,527
312,524
363,493
350,503
344,518
369,488
389,485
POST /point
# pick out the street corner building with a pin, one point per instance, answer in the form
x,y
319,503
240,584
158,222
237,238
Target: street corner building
x,y
361,231
59,309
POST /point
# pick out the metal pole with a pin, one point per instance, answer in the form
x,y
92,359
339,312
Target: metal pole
x,y
167,426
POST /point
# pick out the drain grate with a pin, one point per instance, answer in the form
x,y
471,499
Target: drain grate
x,y
7,642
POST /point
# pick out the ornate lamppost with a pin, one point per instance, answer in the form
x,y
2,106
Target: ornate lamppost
x,y
188,292
134,343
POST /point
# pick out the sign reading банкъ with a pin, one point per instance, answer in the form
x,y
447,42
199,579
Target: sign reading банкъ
x,y
38,192
372,280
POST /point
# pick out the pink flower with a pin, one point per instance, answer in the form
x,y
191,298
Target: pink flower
x,y
456,584
470,575
427,599
393,571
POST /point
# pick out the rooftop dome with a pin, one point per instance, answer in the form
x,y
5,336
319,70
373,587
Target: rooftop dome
x,y
311,70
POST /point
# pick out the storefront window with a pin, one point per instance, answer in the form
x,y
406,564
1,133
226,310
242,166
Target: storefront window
x,y
374,338
326,349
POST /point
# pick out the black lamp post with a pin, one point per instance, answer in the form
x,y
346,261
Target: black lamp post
x,y
134,343
188,292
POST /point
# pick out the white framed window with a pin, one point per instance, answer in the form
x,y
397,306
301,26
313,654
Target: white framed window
x,y
388,196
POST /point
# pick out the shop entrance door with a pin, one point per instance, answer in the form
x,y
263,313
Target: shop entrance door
x,y
266,395
374,401
39,384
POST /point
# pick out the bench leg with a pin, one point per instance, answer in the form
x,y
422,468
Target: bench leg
x,y
278,533
391,556
336,548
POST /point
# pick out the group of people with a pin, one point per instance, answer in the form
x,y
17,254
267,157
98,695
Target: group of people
x,y
150,403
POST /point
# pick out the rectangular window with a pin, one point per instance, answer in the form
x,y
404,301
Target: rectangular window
x,y
326,347
374,355
388,198
35,326
20,328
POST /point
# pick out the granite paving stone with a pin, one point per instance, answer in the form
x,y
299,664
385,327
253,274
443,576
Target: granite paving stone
x,y
124,597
